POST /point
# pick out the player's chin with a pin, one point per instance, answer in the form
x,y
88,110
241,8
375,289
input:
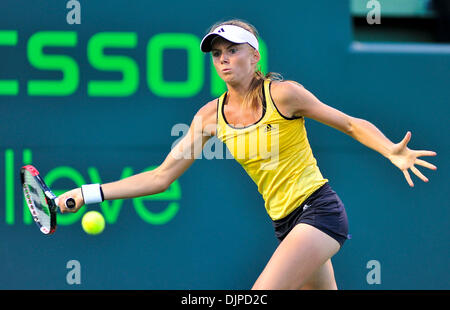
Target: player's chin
x,y
225,77
229,78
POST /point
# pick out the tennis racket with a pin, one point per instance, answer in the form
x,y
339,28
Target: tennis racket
x,y
41,201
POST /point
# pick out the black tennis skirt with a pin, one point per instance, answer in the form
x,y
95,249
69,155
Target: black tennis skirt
x,y
323,209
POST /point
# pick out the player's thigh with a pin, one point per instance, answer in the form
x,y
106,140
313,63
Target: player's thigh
x,y
297,258
322,279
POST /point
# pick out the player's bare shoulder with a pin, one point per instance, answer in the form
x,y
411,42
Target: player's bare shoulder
x,y
284,93
285,89
208,116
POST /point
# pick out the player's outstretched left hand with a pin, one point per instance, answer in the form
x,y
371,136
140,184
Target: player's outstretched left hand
x,y
405,158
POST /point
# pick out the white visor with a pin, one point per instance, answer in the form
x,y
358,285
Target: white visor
x,y
231,33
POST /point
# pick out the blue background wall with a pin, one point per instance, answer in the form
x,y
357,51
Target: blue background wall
x,y
220,236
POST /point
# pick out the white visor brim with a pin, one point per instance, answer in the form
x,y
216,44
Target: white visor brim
x,y
231,33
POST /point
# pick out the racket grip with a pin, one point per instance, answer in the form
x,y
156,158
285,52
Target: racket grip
x,y
70,203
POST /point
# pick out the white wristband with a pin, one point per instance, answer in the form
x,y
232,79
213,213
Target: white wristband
x,y
92,193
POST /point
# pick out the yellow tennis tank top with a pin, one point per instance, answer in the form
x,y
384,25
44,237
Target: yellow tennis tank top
x,y
275,153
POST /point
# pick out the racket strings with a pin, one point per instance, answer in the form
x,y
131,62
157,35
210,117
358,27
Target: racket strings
x,y
38,200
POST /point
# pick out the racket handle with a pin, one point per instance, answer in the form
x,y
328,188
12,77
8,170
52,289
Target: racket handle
x,y
70,203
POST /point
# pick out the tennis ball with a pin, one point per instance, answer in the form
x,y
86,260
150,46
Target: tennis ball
x,y
93,222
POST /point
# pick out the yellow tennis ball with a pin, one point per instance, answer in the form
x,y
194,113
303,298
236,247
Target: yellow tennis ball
x,y
93,222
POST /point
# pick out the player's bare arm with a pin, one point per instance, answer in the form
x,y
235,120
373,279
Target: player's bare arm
x,y
179,159
296,100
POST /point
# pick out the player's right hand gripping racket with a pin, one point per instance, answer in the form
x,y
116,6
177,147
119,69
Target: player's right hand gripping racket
x,y
41,201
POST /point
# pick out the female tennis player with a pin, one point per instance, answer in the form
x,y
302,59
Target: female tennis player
x,y
261,121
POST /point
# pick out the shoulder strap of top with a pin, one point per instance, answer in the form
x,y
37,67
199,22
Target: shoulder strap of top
x,y
219,107
272,104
